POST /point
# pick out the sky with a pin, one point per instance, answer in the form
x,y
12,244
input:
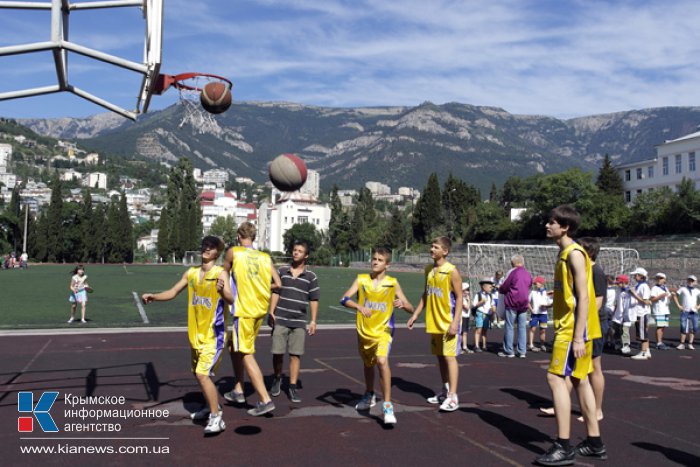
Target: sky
x,y
558,58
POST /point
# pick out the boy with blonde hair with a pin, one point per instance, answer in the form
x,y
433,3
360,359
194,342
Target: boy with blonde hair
x,y
252,278
442,300
377,296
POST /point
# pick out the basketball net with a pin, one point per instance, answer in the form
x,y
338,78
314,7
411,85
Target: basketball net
x,y
199,119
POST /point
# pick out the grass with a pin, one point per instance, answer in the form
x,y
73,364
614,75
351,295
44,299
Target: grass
x,y
38,297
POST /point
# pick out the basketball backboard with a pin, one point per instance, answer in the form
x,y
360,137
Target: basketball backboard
x,y
61,47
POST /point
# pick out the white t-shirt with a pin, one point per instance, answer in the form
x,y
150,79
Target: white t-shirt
x,y
622,307
488,303
639,308
689,298
539,301
78,282
611,298
660,307
466,306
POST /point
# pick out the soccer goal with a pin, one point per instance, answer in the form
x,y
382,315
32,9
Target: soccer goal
x,y
194,258
484,259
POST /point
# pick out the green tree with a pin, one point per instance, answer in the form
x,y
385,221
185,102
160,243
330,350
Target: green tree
x,y
339,226
428,213
396,235
224,227
126,232
684,209
54,223
609,180
303,231
650,211
88,230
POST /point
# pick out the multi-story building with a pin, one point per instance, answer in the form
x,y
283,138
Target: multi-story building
x,y
5,157
95,180
220,203
275,218
216,177
378,188
675,160
312,186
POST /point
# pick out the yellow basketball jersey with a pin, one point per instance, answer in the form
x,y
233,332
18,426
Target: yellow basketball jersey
x,y
380,300
250,282
439,299
206,309
564,309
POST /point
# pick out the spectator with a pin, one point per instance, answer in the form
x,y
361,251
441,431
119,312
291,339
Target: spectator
x,y
515,293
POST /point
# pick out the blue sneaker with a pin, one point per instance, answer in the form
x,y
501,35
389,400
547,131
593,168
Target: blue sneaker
x,y
389,417
369,399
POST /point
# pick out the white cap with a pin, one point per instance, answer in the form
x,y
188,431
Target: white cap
x,y
692,277
465,285
640,271
660,275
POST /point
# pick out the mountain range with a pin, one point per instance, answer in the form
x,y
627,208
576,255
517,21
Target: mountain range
x,y
398,146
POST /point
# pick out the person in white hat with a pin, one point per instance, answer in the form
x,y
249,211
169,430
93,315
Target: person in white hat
x,y
688,305
640,307
660,299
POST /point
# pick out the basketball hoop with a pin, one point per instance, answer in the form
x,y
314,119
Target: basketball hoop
x,y
190,86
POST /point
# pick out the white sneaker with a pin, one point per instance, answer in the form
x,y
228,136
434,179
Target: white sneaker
x,y
440,396
625,350
201,414
369,399
691,347
450,404
389,417
680,346
641,356
216,423
71,320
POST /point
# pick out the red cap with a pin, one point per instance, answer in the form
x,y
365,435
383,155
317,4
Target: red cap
x,y
539,279
622,278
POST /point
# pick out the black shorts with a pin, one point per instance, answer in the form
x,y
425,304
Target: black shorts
x,y
465,324
598,345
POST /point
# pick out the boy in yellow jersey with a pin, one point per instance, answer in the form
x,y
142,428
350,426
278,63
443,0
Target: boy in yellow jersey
x,y
377,295
208,298
442,300
252,277
576,324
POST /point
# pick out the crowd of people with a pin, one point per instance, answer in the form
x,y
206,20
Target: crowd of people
x,y
12,261
582,303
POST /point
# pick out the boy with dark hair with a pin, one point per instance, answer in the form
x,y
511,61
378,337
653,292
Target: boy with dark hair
x,y
208,298
377,296
575,324
288,317
442,300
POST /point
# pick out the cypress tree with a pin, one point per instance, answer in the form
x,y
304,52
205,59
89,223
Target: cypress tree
x,y
54,223
88,229
428,213
609,181
126,232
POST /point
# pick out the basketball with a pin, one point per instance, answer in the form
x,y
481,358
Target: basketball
x,y
89,289
215,97
288,172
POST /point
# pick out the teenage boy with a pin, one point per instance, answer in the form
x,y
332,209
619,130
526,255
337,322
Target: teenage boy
x,y
288,317
442,300
252,277
208,298
377,296
660,299
575,325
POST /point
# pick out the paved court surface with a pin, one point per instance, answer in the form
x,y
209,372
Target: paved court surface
x,y
651,407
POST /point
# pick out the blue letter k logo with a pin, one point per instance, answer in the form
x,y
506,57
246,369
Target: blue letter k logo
x,y
25,403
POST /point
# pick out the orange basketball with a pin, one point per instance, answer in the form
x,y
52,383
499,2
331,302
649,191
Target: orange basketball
x,y
215,97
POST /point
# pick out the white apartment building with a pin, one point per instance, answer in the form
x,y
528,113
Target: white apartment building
x,y
5,156
217,177
675,160
275,218
378,188
312,186
220,203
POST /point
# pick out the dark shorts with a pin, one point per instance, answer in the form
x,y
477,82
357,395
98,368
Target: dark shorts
x,y
642,328
465,324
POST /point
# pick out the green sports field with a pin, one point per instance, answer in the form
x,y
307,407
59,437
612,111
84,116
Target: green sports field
x,y
38,297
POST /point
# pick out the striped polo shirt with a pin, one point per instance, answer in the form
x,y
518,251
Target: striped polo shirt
x,y
295,295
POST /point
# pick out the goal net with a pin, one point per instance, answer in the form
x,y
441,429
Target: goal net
x,y
484,259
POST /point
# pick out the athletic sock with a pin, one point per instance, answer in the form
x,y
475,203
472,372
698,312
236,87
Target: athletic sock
x,y
595,441
292,386
564,443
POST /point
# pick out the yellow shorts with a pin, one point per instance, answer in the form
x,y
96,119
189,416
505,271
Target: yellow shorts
x,y
243,334
565,364
444,345
370,349
205,361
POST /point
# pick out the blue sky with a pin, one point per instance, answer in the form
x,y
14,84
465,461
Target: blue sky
x,y
558,58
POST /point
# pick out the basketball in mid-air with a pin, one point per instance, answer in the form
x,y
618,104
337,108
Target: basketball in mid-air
x,y
215,97
288,172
